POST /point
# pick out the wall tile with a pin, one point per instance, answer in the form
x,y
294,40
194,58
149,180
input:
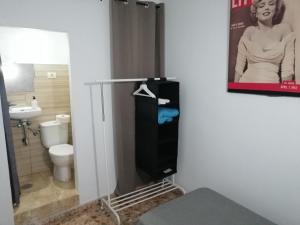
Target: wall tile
x,y
53,96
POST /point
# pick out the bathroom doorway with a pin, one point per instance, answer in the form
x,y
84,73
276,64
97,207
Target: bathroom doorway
x,y
35,68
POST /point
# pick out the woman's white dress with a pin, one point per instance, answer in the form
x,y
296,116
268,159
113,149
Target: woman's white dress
x,y
265,65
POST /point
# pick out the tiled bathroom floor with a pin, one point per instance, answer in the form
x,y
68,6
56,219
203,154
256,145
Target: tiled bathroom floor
x,y
46,197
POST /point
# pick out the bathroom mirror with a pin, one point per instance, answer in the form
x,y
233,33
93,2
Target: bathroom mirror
x,y
18,77
23,49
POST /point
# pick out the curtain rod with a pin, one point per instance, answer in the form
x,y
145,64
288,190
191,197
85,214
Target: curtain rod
x,y
143,4
146,4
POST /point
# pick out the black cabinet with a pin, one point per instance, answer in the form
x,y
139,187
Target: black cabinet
x,y
157,144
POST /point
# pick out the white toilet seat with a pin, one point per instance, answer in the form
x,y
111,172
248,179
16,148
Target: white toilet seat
x,y
61,150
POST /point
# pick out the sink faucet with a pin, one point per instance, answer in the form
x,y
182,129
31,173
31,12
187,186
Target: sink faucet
x,y
11,104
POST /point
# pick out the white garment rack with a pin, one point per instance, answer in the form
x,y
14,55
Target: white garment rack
x,y
122,202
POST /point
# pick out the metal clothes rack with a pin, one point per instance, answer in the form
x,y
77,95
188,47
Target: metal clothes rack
x,y
119,203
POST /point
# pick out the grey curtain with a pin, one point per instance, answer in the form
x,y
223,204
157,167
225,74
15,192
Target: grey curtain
x,y
137,52
13,174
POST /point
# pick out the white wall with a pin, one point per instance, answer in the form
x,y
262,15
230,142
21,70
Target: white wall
x,y
6,212
87,24
33,46
246,147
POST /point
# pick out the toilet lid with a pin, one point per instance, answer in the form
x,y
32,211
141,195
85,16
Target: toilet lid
x,y
62,150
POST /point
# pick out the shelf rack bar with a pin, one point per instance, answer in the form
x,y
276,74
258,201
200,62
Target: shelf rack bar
x,y
146,199
137,196
141,196
139,190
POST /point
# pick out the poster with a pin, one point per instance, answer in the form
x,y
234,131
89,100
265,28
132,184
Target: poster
x,y
264,52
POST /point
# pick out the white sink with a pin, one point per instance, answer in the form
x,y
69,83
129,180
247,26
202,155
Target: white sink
x,y
24,112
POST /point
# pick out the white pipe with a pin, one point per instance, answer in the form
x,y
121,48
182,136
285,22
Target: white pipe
x,y
146,195
125,80
94,143
137,191
180,188
113,211
138,194
104,143
117,210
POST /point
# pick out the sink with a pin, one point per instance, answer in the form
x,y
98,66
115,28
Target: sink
x,y
24,112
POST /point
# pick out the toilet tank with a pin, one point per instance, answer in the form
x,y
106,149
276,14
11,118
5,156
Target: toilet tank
x,y
54,133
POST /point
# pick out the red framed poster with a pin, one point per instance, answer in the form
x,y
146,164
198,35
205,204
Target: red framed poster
x,y
264,55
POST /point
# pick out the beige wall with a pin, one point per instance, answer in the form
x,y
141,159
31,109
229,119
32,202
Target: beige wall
x,y
53,97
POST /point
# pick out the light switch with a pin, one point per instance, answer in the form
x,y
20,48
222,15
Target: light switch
x,y
51,75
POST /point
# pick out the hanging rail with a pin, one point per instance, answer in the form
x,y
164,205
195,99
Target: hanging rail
x,y
130,199
99,82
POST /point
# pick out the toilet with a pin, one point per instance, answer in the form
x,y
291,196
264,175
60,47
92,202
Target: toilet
x,y
54,136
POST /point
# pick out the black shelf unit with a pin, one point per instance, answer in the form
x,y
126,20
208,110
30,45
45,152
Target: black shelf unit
x,y
156,144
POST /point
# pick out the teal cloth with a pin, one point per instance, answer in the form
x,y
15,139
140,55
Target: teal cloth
x,y
166,115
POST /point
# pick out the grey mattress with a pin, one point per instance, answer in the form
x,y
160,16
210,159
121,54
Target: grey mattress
x,y
202,207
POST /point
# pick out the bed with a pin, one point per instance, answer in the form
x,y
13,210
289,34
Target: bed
x,y
202,207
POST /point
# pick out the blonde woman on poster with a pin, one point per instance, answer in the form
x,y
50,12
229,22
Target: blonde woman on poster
x,y
266,52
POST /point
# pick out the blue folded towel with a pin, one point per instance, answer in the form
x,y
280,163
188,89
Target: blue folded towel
x,y
166,114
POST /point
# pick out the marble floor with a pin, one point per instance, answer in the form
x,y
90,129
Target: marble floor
x,y
44,198
92,214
